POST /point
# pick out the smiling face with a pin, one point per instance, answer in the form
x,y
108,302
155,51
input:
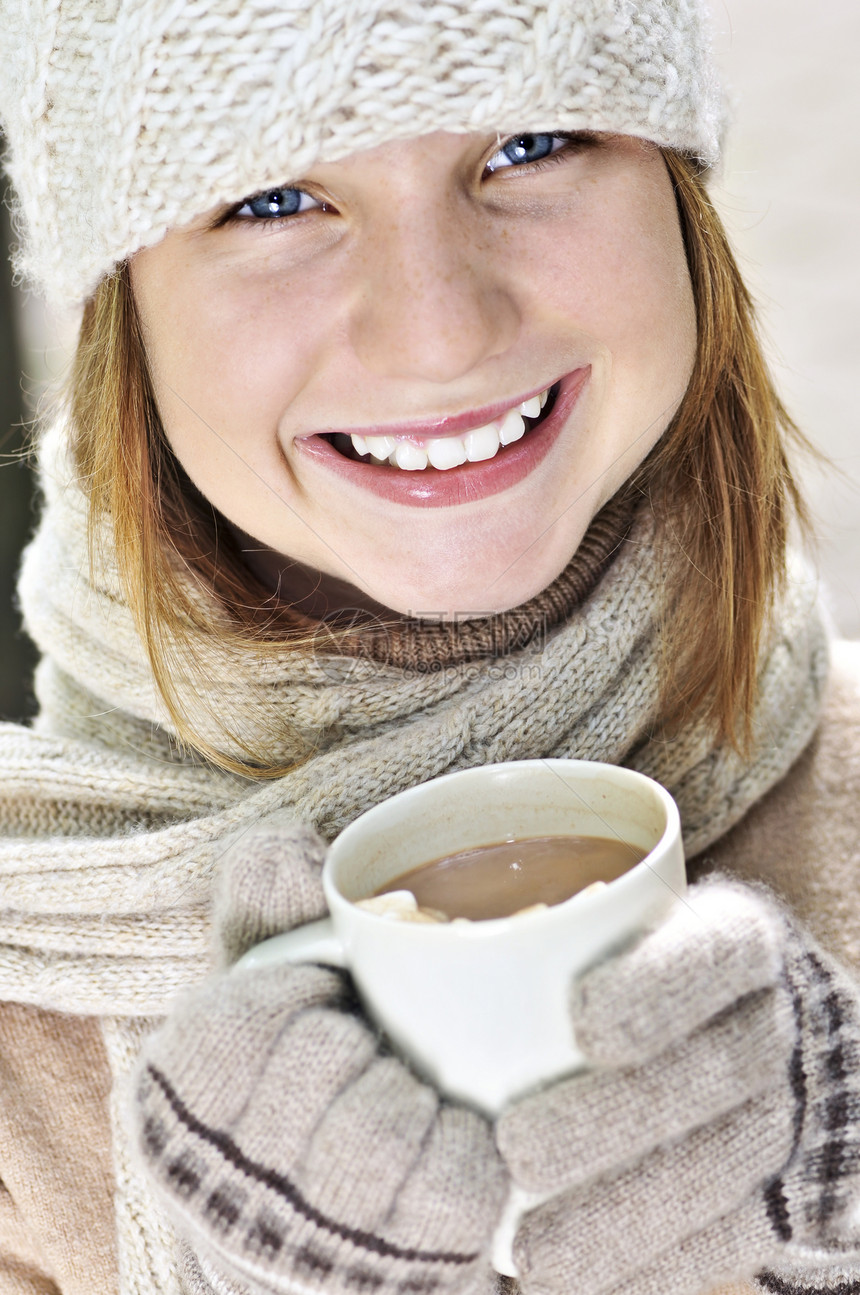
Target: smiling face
x,y
525,308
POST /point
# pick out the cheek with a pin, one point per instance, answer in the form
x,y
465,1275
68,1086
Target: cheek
x,y
660,320
229,357
622,286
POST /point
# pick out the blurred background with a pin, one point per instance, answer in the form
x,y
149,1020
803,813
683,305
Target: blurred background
x,y
789,191
790,195
16,494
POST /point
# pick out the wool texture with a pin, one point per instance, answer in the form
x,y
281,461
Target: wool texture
x,y
716,1131
721,1138
112,837
270,882
128,119
43,1229
289,1148
321,1162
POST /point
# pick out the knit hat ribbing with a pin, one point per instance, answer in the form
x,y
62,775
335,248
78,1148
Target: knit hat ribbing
x,y
125,118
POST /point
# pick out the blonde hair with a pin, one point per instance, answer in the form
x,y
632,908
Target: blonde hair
x,y
719,481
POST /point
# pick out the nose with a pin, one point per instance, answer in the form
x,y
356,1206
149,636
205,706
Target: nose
x,y
431,300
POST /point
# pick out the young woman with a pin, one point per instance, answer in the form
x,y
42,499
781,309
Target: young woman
x,y
417,421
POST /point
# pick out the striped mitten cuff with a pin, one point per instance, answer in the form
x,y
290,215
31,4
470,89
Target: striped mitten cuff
x,y
814,1203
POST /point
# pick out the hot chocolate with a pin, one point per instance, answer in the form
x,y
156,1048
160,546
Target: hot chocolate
x,y
507,877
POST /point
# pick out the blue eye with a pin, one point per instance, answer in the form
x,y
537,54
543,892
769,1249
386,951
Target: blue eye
x,y
528,148
274,203
525,149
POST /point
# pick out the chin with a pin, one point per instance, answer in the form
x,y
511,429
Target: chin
x,y
460,600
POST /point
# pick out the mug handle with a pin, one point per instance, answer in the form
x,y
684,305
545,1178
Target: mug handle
x,y
313,942
519,1202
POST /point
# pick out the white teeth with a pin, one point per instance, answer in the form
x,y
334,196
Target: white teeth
x,y
379,446
409,457
447,453
512,428
450,451
481,443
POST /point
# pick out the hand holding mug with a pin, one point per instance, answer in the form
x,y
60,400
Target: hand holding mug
x,y
713,1135
482,1008
286,1146
267,1076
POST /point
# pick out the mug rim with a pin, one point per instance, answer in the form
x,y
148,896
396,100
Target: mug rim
x,y
477,927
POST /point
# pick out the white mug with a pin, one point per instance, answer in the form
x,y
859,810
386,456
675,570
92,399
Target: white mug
x,y
482,1008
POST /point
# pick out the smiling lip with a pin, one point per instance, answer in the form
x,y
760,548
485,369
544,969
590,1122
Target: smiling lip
x,y
436,488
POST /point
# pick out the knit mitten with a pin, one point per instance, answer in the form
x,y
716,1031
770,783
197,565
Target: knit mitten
x,y
269,881
718,1133
294,1154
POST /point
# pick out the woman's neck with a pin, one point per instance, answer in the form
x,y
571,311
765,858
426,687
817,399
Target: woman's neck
x,y
311,593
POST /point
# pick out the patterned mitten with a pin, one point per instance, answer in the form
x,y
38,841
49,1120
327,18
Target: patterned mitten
x,y
719,1131
292,1153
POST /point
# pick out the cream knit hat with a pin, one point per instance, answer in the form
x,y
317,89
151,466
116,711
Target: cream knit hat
x,y
126,117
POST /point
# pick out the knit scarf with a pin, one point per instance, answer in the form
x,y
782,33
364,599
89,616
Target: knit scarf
x,y
112,837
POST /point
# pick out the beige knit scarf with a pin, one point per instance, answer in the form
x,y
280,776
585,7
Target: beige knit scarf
x,y
111,839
